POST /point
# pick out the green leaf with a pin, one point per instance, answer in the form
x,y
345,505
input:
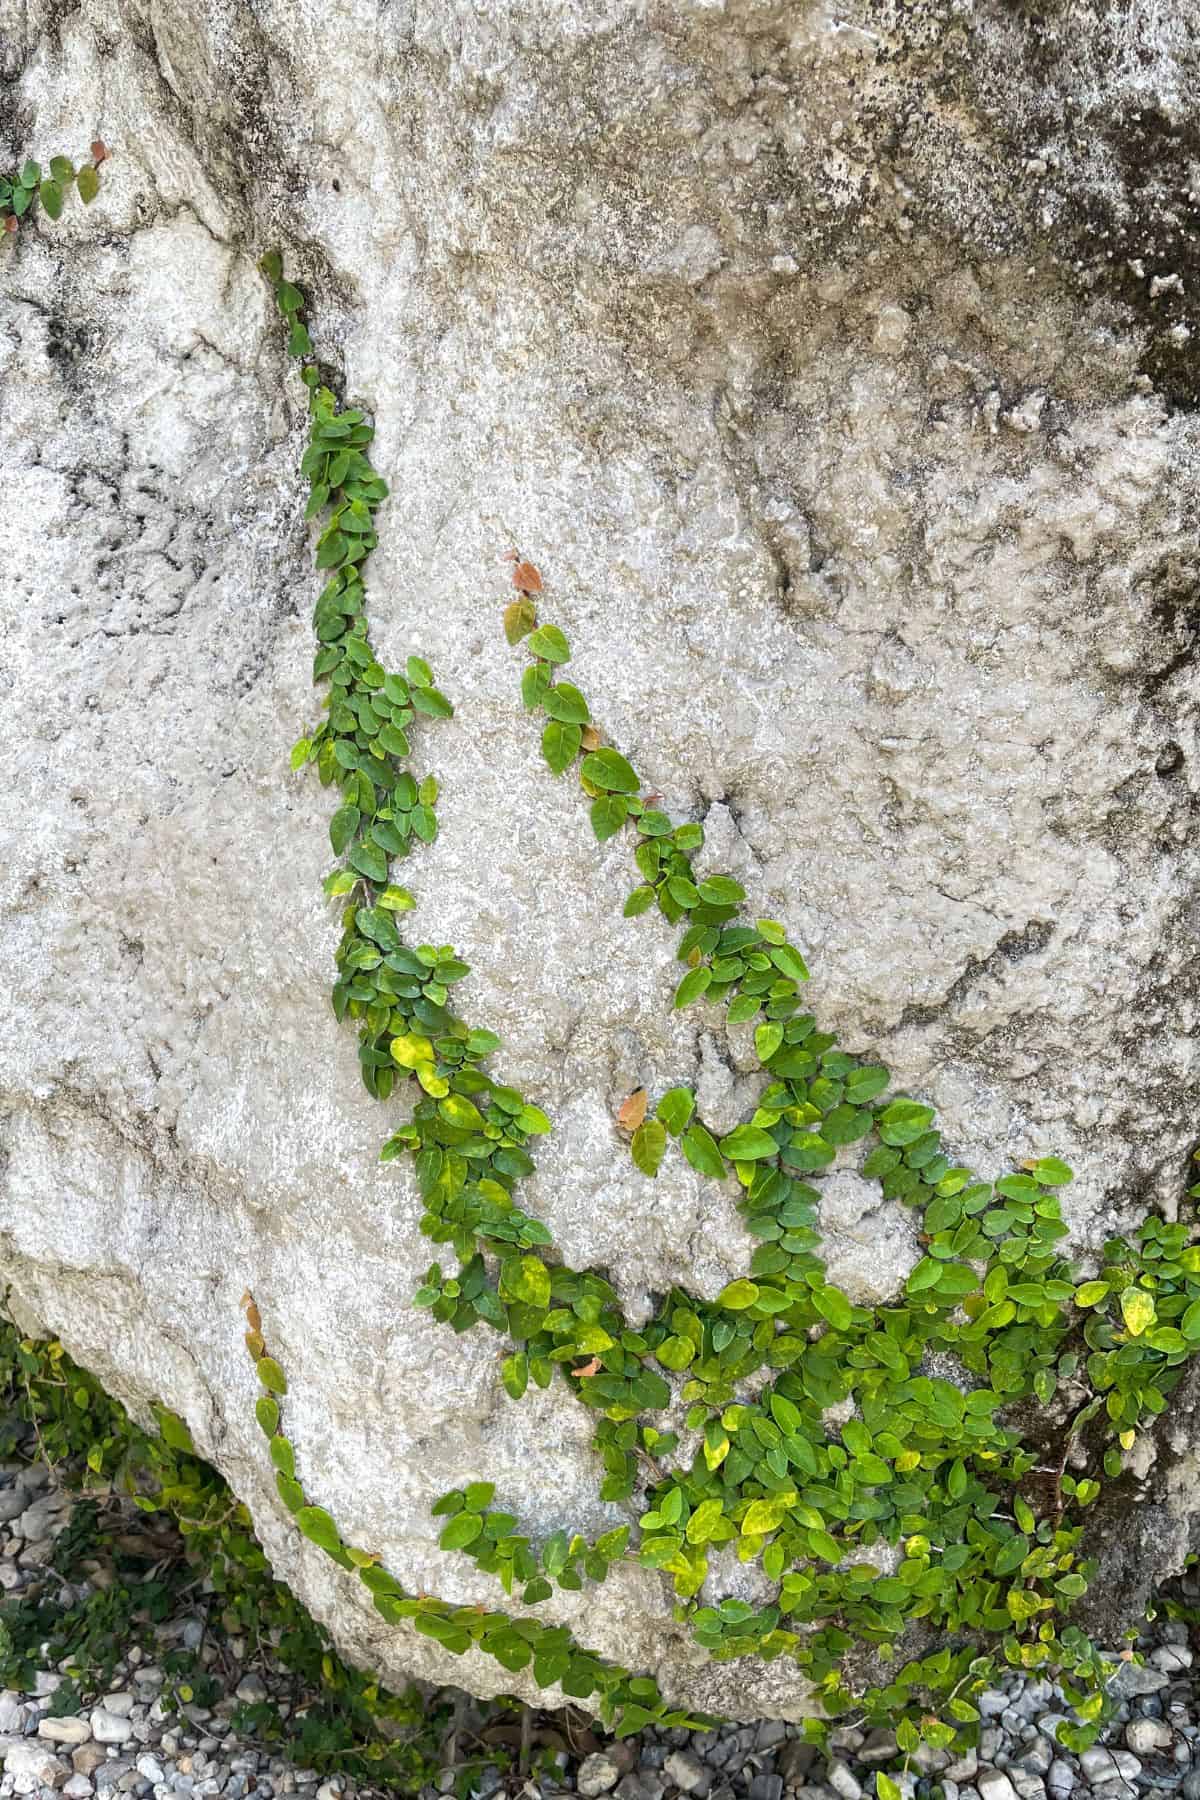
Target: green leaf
x,y
1190,1322
549,645
283,1456
289,1490
1092,1292
676,1108
560,746
432,702
762,1516
31,174
700,1148
370,861
738,1295
300,752
88,184
789,962
462,1530
514,1373
565,702
607,768
608,814
694,983
676,1353
748,1143
479,1495
173,1431
527,1279
721,890
863,1084
833,1305
62,169
266,1411
767,1039
319,1528
271,1375
640,900
457,1110
52,199
1051,1172
649,1143
342,827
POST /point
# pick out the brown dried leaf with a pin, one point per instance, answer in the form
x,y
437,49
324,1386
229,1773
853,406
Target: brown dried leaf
x,y
253,1316
255,1345
590,738
632,1111
526,578
589,1368
10,222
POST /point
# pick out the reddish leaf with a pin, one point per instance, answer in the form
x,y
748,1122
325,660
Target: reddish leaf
x,y
589,1368
526,578
10,223
99,152
631,1112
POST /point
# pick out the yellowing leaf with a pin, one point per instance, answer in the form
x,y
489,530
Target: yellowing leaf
x,y
410,1052
1137,1310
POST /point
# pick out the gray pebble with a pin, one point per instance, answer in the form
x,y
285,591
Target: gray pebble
x,y
994,1784
1146,1737
843,1781
597,1773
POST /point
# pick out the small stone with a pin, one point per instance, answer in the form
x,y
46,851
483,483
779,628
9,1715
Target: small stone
x,y
1102,1765
843,1781
993,1784
1028,1783
770,1732
109,1727
251,1689
70,1730
46,1517
966,1766
1172,1659
597,1773
992,1703
150,1767
1061,1779
686,1771
120,1703
766,1785
46,1682
87,1759
12,1504
78,1787
12,1714
1132,1679
795,1760
1036,1755
1146,1737
27,1760
880,1746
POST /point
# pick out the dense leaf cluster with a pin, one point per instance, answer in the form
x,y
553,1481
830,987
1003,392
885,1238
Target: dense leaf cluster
x,y
932,1508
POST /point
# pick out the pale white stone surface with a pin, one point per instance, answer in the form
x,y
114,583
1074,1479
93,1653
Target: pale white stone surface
x,y
717,311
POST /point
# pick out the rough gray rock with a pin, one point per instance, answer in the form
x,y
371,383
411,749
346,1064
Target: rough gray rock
x,y
838,373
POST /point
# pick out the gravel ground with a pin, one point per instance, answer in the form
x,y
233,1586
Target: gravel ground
x,y
133,1742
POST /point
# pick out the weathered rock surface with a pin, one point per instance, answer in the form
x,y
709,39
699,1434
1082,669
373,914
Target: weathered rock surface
x,y
838,368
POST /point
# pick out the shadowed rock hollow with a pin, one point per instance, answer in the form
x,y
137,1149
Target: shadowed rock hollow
x,y
837,366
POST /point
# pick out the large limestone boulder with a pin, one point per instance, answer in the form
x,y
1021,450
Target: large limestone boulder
x,y
837,366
